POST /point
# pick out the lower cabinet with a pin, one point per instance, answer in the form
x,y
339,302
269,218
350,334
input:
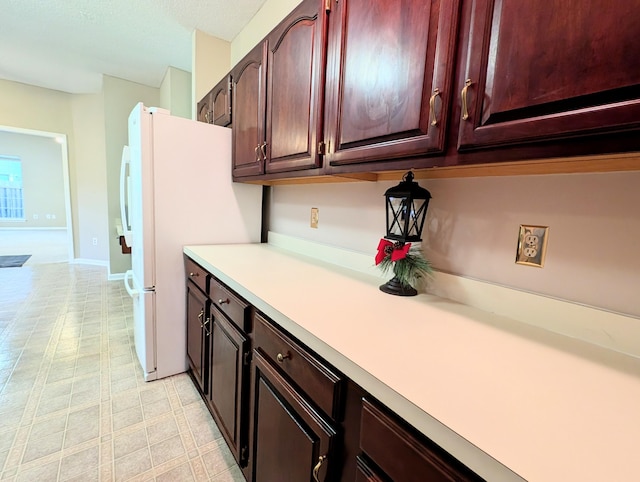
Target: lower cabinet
x,y
291,440
365,473
228,378
286,414
197,334
401,454
294,397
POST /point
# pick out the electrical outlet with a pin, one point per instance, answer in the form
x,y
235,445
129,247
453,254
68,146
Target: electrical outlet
x,y
314,218
532,245
95,241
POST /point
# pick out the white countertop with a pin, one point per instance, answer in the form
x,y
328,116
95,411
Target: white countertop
x,y
503,397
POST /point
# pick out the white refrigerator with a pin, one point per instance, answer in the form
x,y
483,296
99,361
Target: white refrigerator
x,y
176,190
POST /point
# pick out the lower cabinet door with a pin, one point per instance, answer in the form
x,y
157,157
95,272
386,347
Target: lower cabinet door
x,y
364,473
196,339
228,367
291,441
403,455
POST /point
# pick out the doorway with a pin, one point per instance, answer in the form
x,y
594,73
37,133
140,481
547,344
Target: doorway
x,y
47,200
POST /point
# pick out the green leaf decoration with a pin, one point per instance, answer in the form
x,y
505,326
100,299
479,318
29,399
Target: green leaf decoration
x,y
410,270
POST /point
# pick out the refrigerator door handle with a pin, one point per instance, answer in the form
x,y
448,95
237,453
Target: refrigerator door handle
x,y
124,195
132,291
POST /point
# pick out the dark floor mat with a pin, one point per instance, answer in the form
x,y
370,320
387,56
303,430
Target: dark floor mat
x,y
13,261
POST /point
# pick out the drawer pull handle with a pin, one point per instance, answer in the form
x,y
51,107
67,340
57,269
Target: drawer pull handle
x,y
316,469
194,274
280,357
463,94
432,107
222,302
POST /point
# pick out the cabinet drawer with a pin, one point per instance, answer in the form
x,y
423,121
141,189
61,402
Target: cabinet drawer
x,y
364,473
404,456
236,309
196,273
320,382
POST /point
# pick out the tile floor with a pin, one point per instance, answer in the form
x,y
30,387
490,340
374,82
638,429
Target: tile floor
x,y
73,403
44,245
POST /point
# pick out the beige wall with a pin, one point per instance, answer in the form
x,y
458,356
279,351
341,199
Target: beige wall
x,y
91,169
175,92
120,96
211,62
472,229
96,130
271,13
42,179
34,108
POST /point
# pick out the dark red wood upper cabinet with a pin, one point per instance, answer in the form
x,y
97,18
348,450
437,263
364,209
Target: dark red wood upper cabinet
x,y
534,71
215,107
295,85
204,109
221,102
248,79
389,77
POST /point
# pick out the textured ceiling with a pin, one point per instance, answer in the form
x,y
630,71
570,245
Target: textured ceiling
x,y
68,44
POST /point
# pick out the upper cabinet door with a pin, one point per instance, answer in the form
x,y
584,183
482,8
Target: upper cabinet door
x,y
389,73
248,79
542,70
295,84
204,109
221,102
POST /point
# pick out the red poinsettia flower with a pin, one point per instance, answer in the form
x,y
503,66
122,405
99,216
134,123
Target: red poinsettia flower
x,y
395,250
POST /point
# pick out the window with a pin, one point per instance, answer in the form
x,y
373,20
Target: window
x,y
11,196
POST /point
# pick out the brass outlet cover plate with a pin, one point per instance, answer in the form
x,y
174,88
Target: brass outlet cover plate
x,y
314,218
532,245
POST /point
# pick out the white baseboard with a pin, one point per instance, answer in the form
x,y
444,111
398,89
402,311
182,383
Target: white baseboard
x,y
32,228
93,262
613,331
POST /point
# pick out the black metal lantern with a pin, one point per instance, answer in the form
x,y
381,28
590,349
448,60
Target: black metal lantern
x,y
406,210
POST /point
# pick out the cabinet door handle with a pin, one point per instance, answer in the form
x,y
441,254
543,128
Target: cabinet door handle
x,y
316,469
463,94
196,274
263,149
280,357
222,302
200,315
432,107
257,154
